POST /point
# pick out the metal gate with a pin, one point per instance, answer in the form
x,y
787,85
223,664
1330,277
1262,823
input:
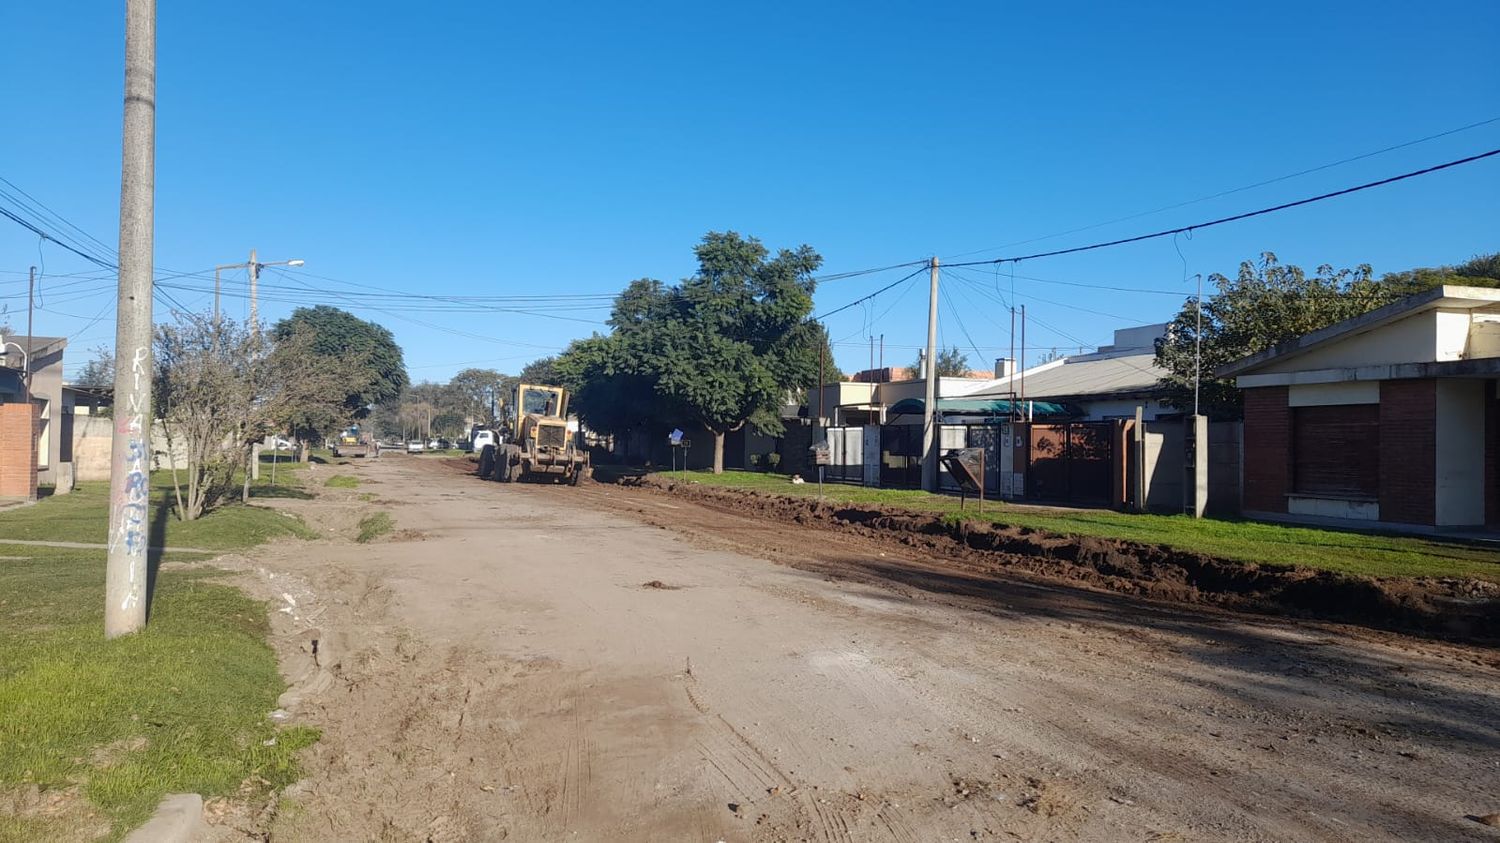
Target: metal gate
x,y
901,456
846,452
1071,463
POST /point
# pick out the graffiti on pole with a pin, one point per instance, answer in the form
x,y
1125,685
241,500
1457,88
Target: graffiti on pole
x,y
133,493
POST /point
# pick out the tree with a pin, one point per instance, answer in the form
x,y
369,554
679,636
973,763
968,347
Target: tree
x,y
543,371
951,363
99,370
221,387
201,378
1478,271
478,393
1267,303
381,375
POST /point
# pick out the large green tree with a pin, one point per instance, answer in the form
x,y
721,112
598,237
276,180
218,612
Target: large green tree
x,y
723,348
1269,302
1266,303
337,333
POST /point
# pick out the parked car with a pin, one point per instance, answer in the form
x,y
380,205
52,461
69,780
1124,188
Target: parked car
x,y
481,438
415,447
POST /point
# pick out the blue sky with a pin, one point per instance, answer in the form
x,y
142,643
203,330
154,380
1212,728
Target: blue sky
x,y
545,149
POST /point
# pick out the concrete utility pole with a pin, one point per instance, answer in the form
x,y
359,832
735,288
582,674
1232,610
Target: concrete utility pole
x,y
254,279
253,267
30,343
929,406
130,450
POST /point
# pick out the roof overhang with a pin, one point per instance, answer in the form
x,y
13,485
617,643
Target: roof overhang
x,y
1437,297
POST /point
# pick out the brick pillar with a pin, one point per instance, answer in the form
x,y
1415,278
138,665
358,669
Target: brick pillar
x,y
18,431
1408,451
1268,449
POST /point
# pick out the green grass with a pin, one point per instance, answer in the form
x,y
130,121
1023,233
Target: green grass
x,y
180,707
342,481
83,516
372,527
1249,541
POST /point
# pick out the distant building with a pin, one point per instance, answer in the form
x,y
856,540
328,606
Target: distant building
x,y
44,355
1390,417
1107,384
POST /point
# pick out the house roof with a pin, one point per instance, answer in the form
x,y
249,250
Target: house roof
x,y
1086,375
1445,296
975,407
35,346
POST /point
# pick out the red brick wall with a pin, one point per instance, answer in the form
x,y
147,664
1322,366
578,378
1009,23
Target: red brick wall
x,y
1491,456
18,429
1268,449
1408,451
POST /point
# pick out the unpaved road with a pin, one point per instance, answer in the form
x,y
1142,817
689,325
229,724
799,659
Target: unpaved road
x,y
548,663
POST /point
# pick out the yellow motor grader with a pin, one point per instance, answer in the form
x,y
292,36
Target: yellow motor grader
x,y
540,445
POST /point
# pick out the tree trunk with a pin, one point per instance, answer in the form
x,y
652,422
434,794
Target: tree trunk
x,y
718,452
245,490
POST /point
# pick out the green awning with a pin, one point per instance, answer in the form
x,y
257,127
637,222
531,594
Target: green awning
x,y
978,407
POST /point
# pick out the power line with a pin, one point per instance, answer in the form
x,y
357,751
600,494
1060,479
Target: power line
x,y
1235,218
863,299
45,236
1232,191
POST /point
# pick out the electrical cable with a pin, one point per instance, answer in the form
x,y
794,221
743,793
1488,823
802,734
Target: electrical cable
x,y
1230,192
1237,217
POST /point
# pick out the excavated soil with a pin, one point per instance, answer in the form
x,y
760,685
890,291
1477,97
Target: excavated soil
x,y
1461,609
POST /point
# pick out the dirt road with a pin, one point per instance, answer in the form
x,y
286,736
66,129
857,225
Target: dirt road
x,y
610,664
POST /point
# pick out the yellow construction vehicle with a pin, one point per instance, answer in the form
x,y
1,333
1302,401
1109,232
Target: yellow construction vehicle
x,y
541,445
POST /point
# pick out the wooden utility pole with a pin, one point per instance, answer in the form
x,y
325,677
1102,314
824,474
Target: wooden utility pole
x,y
929,406
130,449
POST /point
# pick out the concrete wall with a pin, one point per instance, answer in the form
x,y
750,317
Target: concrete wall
x,y
91,444
1460,446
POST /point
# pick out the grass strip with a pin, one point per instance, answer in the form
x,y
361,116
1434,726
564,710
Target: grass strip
x,y
115,725
1350,552
342,481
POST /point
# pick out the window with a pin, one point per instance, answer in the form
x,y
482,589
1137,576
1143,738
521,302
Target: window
x,y
1336,450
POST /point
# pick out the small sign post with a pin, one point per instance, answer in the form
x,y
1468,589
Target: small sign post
x,y
822,456
677,443
966,465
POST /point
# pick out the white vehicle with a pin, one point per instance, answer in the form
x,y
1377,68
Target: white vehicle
x,y
482,438
414,446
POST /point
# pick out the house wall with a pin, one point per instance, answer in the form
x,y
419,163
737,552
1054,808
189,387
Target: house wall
x,y
1425,337
1492,454
46,384
1268,449
1121,408
1459,440
18,423
1408,457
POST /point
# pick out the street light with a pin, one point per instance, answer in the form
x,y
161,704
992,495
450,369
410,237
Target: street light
x,y
25,363
254,266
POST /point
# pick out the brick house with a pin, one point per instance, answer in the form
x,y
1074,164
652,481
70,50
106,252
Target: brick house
x,y
1391,418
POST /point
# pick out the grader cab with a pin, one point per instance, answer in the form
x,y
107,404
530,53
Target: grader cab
x,y
541,445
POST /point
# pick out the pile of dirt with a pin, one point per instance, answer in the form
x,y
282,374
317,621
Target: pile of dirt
x,y
1467,609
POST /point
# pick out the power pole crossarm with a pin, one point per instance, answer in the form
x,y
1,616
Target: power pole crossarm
x,y
130,449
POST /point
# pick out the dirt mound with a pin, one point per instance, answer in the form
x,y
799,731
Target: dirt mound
x,y
1452,608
